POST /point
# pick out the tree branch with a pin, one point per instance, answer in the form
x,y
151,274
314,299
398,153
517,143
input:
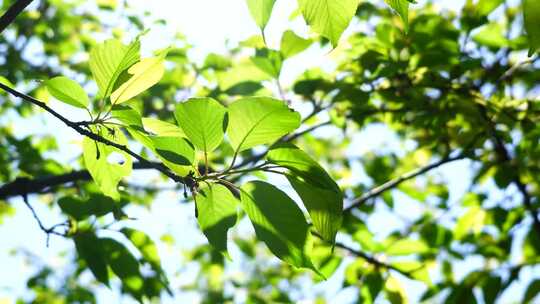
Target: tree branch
x,y
373,261
391,184
13,11
48,231
25,186
81,130
504,157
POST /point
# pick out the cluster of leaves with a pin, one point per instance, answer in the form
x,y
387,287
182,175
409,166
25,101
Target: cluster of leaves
x,y
433,82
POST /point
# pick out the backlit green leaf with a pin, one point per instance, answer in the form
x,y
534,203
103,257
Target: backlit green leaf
x,y
217,213
531,21
329,18
124,265
146,73
292,44
107,165
80,208
90,250
319,193
202,120
162,128
259,120
128,116
176,153
278,222
406,247
261,10
68,91
109,60
402,8
532,291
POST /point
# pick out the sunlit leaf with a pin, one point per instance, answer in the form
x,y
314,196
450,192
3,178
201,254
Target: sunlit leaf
x,y
531,19
162,128
107,165
203,121
68,91
146,73
278,222
216,208
406,247
402,8
176,153
318,191
329,18
292,44
124,265
109,60
259,120
261,10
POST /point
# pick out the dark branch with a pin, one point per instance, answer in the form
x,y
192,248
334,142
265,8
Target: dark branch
x,y
373,261
391,184
13,11
48,231
25,186
83,131
504,157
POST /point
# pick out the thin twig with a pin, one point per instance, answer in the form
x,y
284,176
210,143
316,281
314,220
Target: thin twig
x,y
48,231
391,184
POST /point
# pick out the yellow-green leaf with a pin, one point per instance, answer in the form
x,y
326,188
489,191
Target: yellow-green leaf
x,y
329,18
146,73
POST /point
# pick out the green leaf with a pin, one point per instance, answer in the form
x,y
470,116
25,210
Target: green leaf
x,y
292,44
162,128
473,220
176,153
68,91
395,292
217,213
318,191
531,19
329,18
485,7
147,248
324,206
128,116
278,222
531,246
6,82
203,121
406,247
492,287
260,11
491,35
268,61
259,120
109,60
90,250
244,72
532,291
124,265
402,8
417,270
104,163
146,73
81,209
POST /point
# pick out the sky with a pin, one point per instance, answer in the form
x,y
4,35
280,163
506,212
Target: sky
x,y
209,25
